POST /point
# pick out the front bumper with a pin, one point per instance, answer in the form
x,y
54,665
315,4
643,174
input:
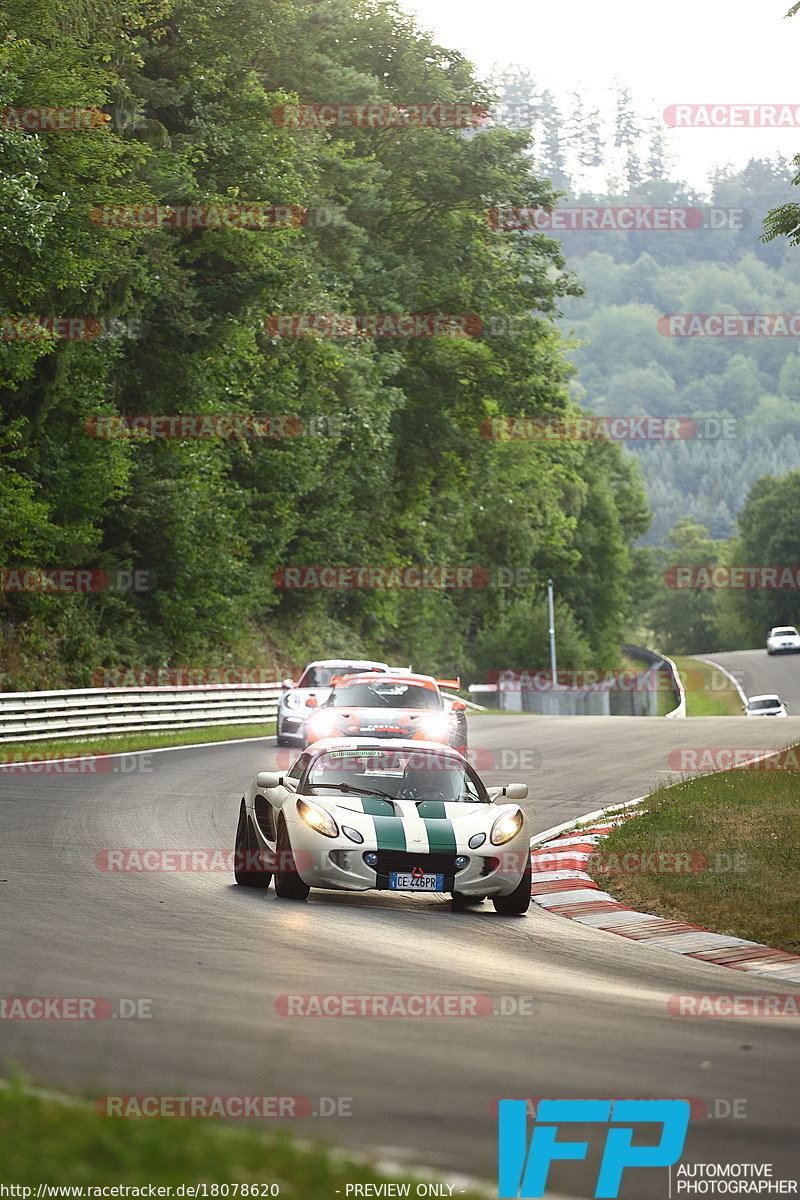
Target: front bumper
x,y
455,738
291,725
339,863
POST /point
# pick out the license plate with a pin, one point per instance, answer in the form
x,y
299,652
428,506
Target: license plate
x,y
416,883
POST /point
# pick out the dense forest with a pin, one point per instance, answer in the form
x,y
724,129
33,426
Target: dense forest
x,y
383,462
725,497
626,366
173,206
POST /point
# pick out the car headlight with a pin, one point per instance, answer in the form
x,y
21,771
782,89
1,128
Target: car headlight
x,y
438,726
322,724
506,827
317,818
292,700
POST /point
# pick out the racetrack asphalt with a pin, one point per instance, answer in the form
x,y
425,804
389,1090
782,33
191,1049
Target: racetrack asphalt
x,y
213,959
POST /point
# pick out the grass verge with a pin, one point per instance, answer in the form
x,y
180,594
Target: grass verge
x,y
48,1141
709,693
746,825
125,743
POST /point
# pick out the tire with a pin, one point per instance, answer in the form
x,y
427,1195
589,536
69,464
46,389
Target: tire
x,y
288,884
462,901
247,878
518,901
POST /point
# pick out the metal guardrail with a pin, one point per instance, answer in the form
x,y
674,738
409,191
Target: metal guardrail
x,y
654,657
680,691
37,716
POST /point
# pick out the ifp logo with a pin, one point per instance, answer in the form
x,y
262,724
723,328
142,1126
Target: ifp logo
x,y
523,1169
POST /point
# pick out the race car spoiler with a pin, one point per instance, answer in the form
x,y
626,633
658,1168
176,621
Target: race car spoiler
x,y
455,684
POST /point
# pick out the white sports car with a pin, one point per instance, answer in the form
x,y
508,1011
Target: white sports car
x,y
315,681
364,813
783,639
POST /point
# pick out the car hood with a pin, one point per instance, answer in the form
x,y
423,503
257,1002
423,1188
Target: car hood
x,y
400,819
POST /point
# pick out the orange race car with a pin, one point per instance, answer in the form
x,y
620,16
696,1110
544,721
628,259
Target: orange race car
x,y
390,705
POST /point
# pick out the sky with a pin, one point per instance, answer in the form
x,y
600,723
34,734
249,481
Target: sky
x,y
666,51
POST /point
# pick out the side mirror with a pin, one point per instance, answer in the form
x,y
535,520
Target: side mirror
x,y
516,791
286,684
268,779
458,706
312,702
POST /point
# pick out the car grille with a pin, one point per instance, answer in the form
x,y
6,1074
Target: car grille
x,y
402,860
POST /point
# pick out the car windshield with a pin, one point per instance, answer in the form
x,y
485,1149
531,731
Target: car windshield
x,y
766,702
789,631
406,774
322,676
385,695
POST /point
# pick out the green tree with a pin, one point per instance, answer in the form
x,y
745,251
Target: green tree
x,y
684,621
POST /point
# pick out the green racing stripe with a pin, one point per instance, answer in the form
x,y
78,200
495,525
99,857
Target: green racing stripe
x,y
441,835
389,833
374,806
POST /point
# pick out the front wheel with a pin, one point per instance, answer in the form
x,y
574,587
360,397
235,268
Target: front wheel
x,y
288,884
518,901
246,857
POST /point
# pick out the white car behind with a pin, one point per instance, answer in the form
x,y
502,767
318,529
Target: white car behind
x,y
765,706
783,639
315,681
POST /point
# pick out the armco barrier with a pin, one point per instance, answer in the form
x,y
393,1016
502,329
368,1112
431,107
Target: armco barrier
x,y
36,716
661,662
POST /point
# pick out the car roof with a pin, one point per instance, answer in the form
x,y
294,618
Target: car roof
x,y
783,629
766,696
392,676
348,662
